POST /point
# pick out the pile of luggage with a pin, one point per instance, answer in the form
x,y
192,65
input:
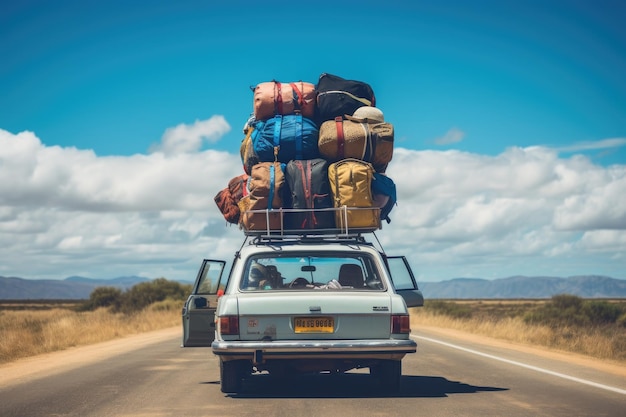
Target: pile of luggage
x,y
314,157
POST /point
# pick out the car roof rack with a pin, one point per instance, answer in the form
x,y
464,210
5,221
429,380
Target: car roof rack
x,y
271,224
308,238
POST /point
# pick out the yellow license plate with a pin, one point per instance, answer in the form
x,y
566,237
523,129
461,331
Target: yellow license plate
x,y
314,325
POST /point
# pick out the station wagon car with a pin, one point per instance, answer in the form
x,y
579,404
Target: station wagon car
x,y
304,304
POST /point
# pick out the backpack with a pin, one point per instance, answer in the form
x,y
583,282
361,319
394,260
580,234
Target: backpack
x,y
337,96
384,195
265,192
283,138
351,186
309,188
272,98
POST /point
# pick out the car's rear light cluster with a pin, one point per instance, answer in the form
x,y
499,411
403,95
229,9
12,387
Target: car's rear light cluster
x,y
229,325
400,323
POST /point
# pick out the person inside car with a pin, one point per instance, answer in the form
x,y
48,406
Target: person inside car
x,y
257,276
274,279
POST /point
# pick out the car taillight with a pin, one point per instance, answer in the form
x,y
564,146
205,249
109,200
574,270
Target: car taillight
x,y
400,324
229,325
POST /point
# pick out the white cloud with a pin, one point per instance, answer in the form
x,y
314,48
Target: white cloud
x,y
33,175
597,240
66,211
602,207
525,209
594,145
454,135
189,138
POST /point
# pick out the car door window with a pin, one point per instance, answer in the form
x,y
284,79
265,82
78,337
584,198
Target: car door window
x,y
401,274
209,279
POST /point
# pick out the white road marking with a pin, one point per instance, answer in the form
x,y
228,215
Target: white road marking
x,y
523,365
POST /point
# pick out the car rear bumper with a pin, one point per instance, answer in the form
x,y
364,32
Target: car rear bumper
x,y
258,351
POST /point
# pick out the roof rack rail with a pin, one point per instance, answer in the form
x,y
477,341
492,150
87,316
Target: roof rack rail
x,y
260,239
270,223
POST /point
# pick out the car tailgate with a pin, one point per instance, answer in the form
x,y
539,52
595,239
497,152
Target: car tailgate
x,y
307,315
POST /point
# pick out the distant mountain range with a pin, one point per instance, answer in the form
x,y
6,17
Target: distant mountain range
x,y
74,288
586,286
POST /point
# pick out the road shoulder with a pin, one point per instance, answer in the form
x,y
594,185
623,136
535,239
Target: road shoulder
x,y
611,367
23,370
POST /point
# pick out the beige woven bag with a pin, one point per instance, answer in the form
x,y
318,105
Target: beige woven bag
x,y
351,137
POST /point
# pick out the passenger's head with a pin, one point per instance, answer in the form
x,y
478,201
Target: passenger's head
x,y
257,274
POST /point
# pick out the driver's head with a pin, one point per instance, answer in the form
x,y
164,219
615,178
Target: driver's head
x,y
274,277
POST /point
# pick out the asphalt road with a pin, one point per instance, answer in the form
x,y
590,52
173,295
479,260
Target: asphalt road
x,y
153,376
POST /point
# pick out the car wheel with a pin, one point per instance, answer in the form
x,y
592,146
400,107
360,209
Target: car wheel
x,y
389,373
230,376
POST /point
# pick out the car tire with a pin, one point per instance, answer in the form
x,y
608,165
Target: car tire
x,y
389,373
231,376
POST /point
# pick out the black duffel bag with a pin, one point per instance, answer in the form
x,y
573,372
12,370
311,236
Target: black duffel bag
x,y
337,96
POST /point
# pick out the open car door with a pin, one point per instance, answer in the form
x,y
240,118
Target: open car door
x,y
199,309
404,281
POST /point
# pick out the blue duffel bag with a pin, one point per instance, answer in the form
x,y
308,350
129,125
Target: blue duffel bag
x,y
286,137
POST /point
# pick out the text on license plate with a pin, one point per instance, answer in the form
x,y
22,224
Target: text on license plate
x,y
314,324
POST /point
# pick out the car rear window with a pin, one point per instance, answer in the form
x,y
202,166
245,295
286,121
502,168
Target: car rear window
x,y
306,272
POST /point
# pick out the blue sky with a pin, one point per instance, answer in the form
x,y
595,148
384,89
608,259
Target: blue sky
x,y
531,93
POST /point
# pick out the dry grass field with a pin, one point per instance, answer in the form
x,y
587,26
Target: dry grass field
x,y
524,322
32,328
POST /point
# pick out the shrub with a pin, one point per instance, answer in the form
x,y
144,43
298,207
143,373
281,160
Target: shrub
x,y
137,297
601,312
567,301
447,308
102,297
571,310
146,293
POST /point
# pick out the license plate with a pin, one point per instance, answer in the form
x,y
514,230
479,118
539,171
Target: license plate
x,y
314,325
